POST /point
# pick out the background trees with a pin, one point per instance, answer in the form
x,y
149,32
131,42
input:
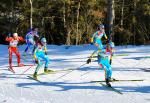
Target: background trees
x,y
73,21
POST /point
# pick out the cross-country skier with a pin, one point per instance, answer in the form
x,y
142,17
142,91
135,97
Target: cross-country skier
x,y
110,49
41,53
13,41
103,60
30,39
97,36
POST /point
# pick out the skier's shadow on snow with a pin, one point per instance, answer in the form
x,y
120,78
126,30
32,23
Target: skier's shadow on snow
x,y
64,86
141,89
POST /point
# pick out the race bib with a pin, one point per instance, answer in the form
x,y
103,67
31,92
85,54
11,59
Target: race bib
x,y
14,43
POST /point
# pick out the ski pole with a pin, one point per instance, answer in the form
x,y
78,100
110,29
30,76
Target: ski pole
x,y
27,70
86,73
69,72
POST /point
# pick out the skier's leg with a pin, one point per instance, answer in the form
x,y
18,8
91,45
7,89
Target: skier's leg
x,y
34,46
10,56
18,57
100,44
38,66
108,69
33,49
110,60
47,60
28,46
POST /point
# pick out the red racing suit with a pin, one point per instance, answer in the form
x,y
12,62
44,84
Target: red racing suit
x,y
13,48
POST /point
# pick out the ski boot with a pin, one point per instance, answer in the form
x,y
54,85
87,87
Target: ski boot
x,y
20,65
47,70
111,79
35,75
108,83
11,69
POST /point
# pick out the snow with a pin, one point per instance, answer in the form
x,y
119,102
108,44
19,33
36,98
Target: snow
x,y
75,87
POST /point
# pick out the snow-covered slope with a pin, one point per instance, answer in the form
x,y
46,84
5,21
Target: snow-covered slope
x,y
132,62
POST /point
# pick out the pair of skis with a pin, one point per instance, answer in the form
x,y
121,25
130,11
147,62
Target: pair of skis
x,y
115,80
51,72
100,82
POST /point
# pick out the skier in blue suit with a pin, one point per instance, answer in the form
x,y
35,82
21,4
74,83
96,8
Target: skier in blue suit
x,y
30,39
41,53
103,59
97,36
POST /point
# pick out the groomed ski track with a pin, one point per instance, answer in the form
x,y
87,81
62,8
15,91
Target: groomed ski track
x,y
76,87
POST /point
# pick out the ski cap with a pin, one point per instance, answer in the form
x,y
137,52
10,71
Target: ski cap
x,y
112,45
101,26
15,34
43,40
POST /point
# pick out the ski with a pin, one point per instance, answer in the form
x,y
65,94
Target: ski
x,y
31,77
117,80
121,54
54,71
11,69
112,88
113,55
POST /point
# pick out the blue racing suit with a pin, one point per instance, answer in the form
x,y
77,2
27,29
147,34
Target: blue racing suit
x,y
39,54
30,40
97,36
103,59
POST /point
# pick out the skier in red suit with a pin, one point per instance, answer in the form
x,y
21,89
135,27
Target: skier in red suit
x,y
13,41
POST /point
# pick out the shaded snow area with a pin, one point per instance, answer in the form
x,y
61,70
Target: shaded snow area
x,y
131,62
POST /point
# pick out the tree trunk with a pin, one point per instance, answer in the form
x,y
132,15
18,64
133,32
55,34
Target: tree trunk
x,y
77,31
68,42
31,10
111,17
122,14
134,20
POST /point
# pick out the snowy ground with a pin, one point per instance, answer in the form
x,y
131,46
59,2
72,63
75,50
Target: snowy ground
x,y
76,86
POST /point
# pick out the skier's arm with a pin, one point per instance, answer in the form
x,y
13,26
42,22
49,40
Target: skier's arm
x,y
35,53
21,39
8,39
45,50
36,34
26,38
105,36
89,60
95,52
92,38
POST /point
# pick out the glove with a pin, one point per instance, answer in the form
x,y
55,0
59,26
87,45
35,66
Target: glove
x,y
9,35
36,61
88,61
45,53
91,41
